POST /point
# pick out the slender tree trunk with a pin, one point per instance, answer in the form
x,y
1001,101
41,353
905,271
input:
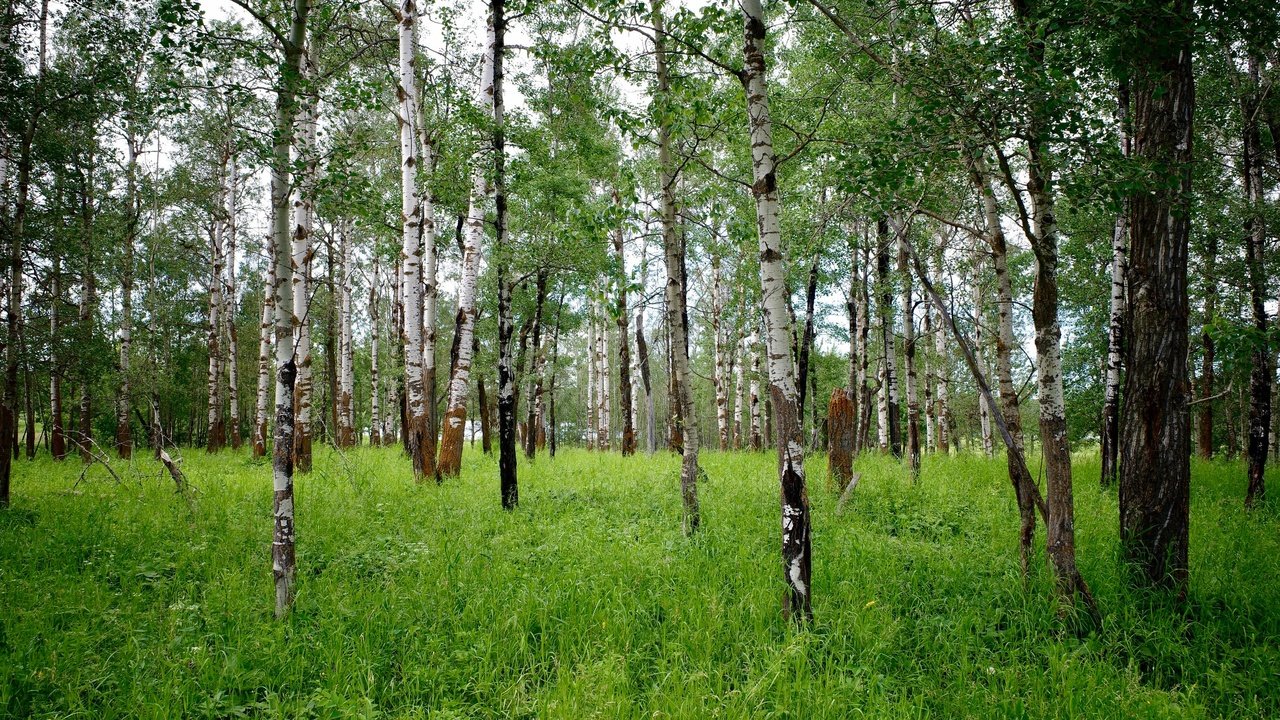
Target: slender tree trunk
x,y
533,419
124,436
1260,375
806,338
217,427
909,361
604,380
88,311
506,375
346,353
1110,431
283,560
264,355
411,253
57,437
842,422
456,408
674,255
624,344
1206,342
979,324
740,401
796,551
892,421
642,350
230,298
375,378
1010,409
757,408
720,379
303,221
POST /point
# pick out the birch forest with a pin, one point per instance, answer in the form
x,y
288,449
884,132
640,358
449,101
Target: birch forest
x,y
662,358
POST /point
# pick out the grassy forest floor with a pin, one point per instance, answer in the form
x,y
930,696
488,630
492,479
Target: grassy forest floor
x,y
121,600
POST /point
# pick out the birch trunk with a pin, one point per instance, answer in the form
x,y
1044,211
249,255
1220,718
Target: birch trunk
x,y
592,406
57,437
892,420
231,297
720,380
909,361
642,350
533,421
264,355
979,324
216,438
375,379
740,401
283,560
411,253
88,301
346,375
455,416
1110,431
757,424
1207,346
1009,405
303,220
796,552
604,382
625,401
676,291
124,434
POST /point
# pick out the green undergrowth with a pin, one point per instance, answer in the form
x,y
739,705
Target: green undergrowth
x,y
123,600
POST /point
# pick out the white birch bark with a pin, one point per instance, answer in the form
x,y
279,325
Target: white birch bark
x,y
214,384
303,222
757,407
796,552
721,380
231,298
346,361
264,355
375,379
455,416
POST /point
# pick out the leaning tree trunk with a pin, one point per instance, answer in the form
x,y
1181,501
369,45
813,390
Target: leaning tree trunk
x,y
1110,430
411,256
624,344
1155,470
1010,409
283,560
455,416
303,220
508,488
1260,374
796,552
674,250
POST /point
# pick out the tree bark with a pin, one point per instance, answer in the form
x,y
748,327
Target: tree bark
x,y
796,550
673,247
420,447
1260,374
533,421
303,220
842,421
1110,431
506,376
642,350
283,559
624,344
1207,345
892,421
57,437
1155,471
909,361
375,378
264,355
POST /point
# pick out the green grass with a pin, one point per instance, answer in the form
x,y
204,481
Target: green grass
x,y
120,600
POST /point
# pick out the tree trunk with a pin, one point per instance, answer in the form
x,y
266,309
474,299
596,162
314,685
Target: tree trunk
x,y
1155,471
346,353
1110,431
892,420
230,297
534,419
375,379
283,560
642,350
624,345
1260,374
411,253
757,409
303,220
506,376
674,256
796,552
57,437
88,311
909,361
124,435
842,421
979,323
264,355
1206,342
217,428
806,339
455,416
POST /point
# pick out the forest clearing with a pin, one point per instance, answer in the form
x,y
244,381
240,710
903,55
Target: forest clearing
x,y
644,358
428,601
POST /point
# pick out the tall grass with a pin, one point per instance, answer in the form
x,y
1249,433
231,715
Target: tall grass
x,y
123,600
